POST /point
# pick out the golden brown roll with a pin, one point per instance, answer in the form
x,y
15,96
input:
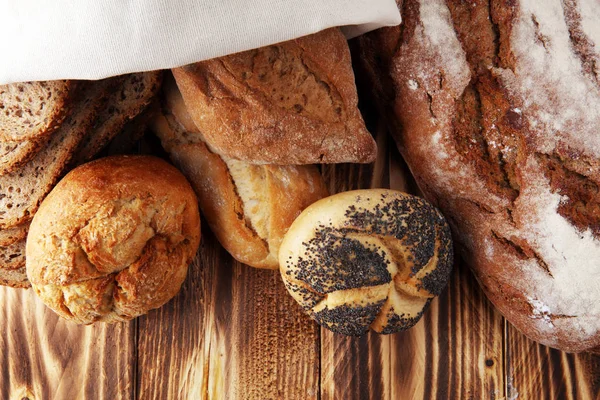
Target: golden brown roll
x,y
113,239
248,207
367,259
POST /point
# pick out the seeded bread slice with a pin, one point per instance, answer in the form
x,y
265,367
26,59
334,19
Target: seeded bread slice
x,y
13,235
32,110
14,155
135,94
22,191
12,259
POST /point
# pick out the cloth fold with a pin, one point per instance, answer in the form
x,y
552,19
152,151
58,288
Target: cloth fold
x,y
84,39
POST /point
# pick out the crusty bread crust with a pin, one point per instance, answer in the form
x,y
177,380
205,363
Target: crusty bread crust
x,y
496,113
248,207
290,103
113,239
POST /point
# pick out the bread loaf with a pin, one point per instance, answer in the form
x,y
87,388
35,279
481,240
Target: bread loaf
x,y
113,239
99,110
248,207
12,259
367,259
290,103
13,235
499,108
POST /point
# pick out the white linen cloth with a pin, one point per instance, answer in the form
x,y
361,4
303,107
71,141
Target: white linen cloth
x,y
93,39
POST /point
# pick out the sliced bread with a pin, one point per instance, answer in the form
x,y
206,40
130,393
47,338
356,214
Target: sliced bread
x,y
14,155
13,235
125,141
12,260
31,110
136,92
22,191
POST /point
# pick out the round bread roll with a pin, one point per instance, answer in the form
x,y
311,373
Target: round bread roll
x,y
367,259
113,239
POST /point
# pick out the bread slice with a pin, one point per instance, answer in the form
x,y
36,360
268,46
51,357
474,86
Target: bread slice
x,y
22,191
12,259
31,110
125,141
136,93
13,235
14,155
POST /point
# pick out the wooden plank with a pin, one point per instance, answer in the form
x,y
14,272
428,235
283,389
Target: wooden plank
x,y
45,357
539,372
456,351
232,333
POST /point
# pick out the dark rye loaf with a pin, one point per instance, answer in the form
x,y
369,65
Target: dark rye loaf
x,y
12,262
13,235
31,110
496,109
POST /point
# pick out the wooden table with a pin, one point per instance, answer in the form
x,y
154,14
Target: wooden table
x,y
234,333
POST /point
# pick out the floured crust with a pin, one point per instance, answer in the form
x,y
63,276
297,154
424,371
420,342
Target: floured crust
x,y
367,259
248,207
498,105
113,239
295,101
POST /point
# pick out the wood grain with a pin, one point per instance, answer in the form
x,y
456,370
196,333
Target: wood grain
x,y
539,372
232,333
45,357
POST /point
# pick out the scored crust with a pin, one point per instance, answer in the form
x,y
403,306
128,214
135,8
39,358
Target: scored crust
x,y
367,259
248,207
290,103
498,107
113,239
